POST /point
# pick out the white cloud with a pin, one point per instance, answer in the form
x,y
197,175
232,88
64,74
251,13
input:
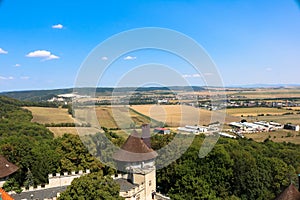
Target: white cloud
x,y
24,77
2,51
17,65
130,58
58,26
6,78
51,57
47,55
104,58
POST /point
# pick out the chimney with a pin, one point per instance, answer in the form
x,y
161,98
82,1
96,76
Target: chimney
x,y
146,137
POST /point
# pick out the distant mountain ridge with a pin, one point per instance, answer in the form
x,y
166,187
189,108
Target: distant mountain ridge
x,y
264,85
42,95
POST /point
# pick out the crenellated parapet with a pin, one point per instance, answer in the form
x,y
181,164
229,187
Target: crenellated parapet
x,y
59,180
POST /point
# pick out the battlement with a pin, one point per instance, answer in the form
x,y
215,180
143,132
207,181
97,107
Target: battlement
x,y
65,174
59,180
118,176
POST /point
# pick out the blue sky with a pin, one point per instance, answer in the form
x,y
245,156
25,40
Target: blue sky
x,y
43,43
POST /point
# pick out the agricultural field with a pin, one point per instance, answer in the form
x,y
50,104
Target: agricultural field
x,y
254,111
276,136
113,117
45,115
263,93
267,114
177,115
283,119
59,131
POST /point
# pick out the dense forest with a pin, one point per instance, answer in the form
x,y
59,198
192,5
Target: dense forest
x,y
35,151
235,169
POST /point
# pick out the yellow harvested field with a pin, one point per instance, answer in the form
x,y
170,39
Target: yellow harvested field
x,y
104,116
111,117
283,119
270,93
44,115
180,115
255,111
293,108
59,131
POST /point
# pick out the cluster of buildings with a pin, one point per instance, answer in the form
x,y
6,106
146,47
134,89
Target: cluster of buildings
x,y
260,126
261,103
66,97
207,130
197,129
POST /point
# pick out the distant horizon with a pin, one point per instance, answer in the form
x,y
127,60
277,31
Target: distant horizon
x,y
249,86
251,42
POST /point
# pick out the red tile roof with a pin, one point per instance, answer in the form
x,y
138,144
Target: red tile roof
x,y
134,150
6,168
4,195
161,129
290,193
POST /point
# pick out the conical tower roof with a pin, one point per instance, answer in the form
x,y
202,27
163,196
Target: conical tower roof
x,y
6,168
290,193
134,150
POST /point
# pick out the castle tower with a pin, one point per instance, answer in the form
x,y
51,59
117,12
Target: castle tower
x,y
136,158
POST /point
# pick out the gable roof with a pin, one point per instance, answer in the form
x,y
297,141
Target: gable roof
x,y
6,168
49,193
134,150
4,195
290,193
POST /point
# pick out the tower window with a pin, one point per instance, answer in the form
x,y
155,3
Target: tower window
x,y
150,183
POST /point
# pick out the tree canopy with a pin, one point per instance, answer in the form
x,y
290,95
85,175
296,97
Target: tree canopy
x,y
234,169
93,186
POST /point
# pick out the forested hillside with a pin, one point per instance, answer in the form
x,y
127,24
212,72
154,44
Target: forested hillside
x,y
34,150
235,169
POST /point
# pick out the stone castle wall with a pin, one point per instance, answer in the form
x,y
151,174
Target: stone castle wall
x,y
59,180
